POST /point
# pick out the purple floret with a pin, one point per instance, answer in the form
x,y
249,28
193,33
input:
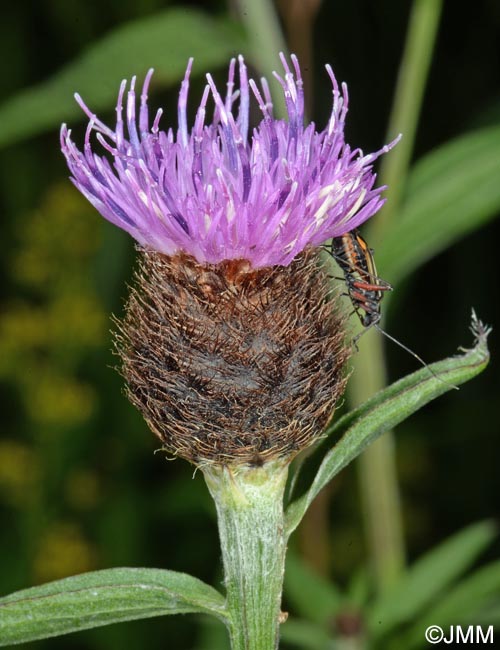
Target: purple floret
x,y
217,194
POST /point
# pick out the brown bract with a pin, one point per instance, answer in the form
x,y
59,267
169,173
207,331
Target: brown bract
x,y
232,365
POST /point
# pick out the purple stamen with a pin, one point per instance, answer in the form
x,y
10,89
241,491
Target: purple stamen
x,y
244,111
131,121
143,114
119,116
230,86
182,105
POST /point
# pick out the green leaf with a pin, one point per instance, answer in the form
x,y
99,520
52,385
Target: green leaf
x,y
451,192
164,41
489,613
463,605
382,412
211,634
429,577
100,598
311,596
305,635
359,589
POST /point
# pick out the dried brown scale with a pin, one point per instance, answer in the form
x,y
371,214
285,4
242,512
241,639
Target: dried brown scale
x,y
229,364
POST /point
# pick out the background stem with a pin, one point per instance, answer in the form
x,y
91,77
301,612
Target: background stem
x,y
378,475
299,17
266,41
406,107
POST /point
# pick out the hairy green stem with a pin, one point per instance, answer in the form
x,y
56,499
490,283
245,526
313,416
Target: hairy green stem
x,y
249,504
378,475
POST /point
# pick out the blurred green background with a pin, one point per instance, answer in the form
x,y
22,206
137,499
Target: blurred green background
x,y
80,485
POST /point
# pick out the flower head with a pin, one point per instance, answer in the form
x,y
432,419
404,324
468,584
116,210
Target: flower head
x,y
232,343
218,192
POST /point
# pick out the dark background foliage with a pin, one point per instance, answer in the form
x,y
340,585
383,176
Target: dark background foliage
x,y
80,486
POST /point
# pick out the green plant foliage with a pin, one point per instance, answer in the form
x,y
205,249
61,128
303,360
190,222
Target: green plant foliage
x,y
429,577
305,635
101,598
451,191
311,596
385,410
211,634
425,595
464,604
164,41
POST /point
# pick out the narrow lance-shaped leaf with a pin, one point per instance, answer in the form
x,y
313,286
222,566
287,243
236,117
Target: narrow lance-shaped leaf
x,y
462,605
164,41
385,410
101,598
305,635
429,577
451,191
311,595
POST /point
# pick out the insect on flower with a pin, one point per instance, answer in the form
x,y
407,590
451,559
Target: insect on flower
x,y
364,287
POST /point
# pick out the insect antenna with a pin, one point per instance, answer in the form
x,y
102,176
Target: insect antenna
x,y
413,354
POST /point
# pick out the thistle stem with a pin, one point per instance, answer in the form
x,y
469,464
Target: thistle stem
x,y
249,503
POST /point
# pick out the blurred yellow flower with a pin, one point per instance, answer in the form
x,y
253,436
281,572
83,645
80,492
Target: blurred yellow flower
x,y
57,399
82,489
62,552
19,473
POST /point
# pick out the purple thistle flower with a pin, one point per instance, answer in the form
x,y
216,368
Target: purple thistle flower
x,y
214,193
